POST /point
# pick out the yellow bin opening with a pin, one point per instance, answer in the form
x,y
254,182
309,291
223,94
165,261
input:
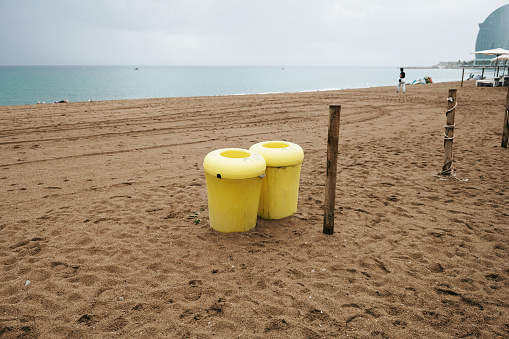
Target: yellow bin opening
x,y
280,186
234,180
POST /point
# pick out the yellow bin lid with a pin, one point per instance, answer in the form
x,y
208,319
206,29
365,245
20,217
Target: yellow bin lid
x,y
234,163
279,153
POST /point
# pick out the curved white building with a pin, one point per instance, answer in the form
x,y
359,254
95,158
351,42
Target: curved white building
x,y
493,32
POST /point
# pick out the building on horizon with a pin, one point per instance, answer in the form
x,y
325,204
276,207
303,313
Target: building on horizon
x,y
493,33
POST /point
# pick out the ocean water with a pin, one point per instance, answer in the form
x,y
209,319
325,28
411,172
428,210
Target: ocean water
x,y
20,85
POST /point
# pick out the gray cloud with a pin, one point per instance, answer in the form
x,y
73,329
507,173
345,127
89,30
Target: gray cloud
x,y
239,32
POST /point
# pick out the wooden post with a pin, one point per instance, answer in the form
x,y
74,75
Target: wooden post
x,y
482,75
449,133
505,133
332,165
462,75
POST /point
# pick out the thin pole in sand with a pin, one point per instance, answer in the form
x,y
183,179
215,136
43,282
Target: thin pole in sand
x,y
449,133
462,75
505,133
332,165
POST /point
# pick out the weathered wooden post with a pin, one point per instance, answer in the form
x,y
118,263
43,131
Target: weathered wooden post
x,y
462,75
505,133
332,165
449,133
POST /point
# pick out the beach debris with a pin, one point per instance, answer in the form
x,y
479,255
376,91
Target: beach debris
x,y
27,282
121,299
195,218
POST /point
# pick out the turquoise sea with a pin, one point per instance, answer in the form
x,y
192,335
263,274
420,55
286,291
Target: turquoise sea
x,y
20,85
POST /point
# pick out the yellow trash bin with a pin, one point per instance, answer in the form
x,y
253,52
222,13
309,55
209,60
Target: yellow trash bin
x,y
234,179
280,186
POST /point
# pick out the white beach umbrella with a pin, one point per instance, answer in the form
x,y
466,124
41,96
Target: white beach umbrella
x,y
501,57
496,51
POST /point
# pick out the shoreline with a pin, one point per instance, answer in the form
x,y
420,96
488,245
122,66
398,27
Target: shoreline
x,y
325,90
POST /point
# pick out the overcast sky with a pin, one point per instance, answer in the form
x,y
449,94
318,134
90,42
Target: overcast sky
x,y
240,32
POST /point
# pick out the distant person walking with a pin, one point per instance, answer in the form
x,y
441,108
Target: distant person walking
x,y
401,83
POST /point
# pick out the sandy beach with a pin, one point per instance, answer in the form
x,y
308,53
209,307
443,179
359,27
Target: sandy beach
x,y
100,234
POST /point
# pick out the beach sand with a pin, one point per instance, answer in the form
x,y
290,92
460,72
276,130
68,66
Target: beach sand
x,y
99,231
